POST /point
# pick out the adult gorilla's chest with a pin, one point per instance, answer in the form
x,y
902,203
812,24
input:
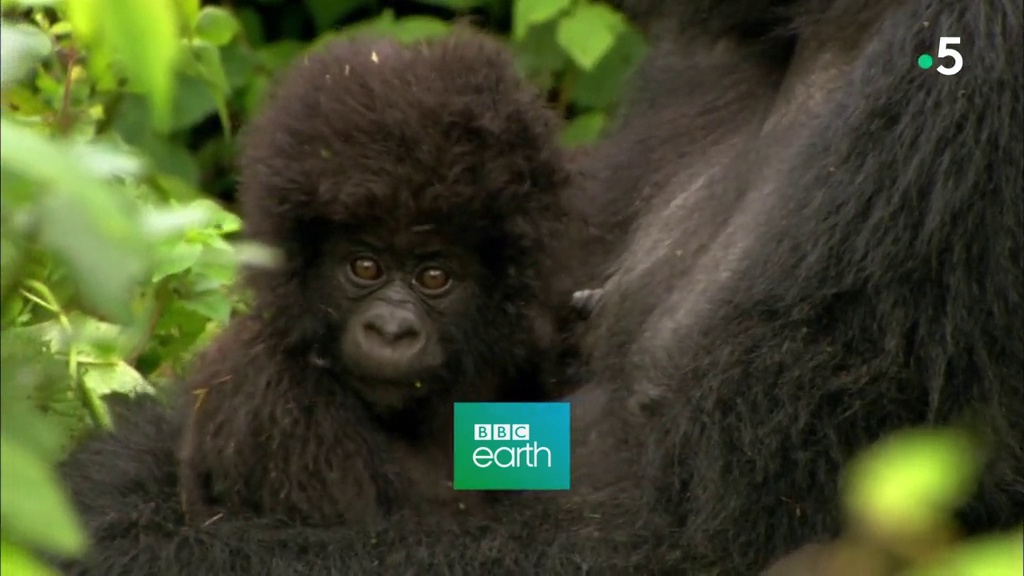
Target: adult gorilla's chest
x,y
724,202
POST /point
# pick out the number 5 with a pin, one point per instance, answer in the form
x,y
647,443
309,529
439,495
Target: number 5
x,y
945,50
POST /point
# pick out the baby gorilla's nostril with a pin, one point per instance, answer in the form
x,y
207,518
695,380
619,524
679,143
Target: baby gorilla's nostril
x,y
393,326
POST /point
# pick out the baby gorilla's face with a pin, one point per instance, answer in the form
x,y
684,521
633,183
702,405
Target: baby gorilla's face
x,y
401,300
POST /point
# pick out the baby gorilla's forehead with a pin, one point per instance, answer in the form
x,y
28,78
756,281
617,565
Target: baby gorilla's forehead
x,y
409,242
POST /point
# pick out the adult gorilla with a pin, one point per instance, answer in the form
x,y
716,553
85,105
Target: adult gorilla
x,y
816,243
827,246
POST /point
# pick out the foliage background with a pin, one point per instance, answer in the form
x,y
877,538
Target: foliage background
x,y
118,244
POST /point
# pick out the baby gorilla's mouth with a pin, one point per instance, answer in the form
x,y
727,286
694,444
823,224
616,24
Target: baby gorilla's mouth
x,y
389,394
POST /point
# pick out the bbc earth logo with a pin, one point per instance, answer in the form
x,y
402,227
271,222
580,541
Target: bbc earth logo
x,y
511,446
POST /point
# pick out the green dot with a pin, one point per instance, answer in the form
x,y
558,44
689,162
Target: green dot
x,y
924,61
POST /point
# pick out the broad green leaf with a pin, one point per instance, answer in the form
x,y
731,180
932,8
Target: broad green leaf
x,y
25,100
240,64
539,57
909,484
527,14
381,25
108,264
252,25
987,555
279,54
189,10
457,4
31,3
414,28
175,258
215,269
61,29
26,367
169,221
17,561
97,341
255,94
195,102
105,161
327,13
46,520
216,25
81,219
589,32
602,85
144,38
106,379
210,68
22,47
215,305
583,129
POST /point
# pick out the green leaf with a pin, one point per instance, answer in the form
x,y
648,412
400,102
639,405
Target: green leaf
x,y
176,258
527,14
143,36
216,25
279,54
205,62
415,28
583,129
908,484
327,13
457,4
602,85
16,560
31,3
105,161
189,9
106,379
82,219
988,555
162,222
252,25
239,62
195,102
33,506
97,341
108,264
214,305
22,47
589,32
539,56
27,368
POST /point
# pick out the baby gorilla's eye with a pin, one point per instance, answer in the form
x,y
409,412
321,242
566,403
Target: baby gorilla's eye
x,y
433,279
366,269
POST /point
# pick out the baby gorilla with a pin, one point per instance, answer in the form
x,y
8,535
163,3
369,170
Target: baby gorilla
x,y
414,193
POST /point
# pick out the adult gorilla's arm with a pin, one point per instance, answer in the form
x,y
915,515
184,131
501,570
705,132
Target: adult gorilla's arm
x,y
125,484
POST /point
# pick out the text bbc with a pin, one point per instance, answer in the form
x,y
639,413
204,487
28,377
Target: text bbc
x,y
501,432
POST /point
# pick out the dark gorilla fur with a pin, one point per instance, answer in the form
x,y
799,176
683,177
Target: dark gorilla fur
x,y
813,243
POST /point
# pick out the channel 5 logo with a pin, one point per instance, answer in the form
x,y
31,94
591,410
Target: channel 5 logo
x,y
511,446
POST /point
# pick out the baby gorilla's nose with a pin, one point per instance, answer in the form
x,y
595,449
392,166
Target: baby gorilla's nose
x,y
392,328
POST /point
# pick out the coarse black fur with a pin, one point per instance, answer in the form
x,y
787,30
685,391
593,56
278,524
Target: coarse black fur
x,y
814,243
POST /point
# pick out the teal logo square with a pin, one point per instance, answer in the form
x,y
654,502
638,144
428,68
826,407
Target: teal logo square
x,y
511,446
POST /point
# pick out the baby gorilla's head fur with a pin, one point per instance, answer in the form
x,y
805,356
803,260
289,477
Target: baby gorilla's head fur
x,y
414,192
